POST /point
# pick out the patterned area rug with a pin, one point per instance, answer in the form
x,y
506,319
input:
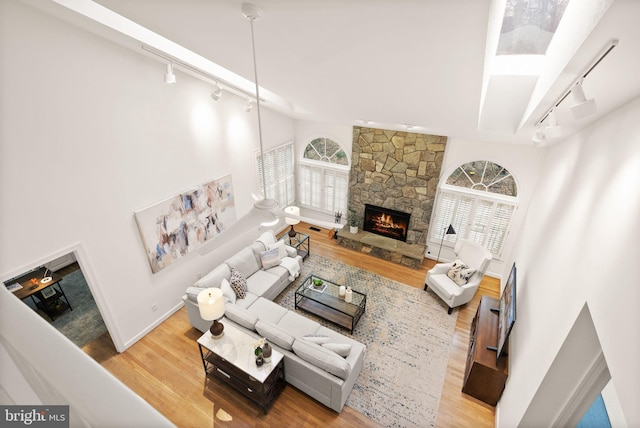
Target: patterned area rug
x,y
408,334
84,323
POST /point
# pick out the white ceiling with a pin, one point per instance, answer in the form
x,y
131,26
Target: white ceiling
x,y
419,62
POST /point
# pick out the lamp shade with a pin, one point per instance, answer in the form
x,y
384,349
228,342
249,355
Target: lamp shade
x,y
211,304
293,210
450,230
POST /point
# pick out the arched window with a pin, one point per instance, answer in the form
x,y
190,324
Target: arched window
x,y
478,199
324,176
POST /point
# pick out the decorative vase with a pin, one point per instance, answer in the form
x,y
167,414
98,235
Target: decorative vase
x,y
266,352
353,229
348,296
259,360
342,291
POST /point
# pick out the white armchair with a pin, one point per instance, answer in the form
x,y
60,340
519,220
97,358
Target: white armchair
x,y
473,255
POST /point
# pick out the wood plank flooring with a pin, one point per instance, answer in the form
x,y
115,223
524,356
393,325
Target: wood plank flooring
x,y
165,368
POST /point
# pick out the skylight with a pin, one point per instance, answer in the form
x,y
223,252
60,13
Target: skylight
x,y
529,25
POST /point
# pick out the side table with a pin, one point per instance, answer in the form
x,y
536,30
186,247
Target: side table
x,y
300,241
51,298
231,360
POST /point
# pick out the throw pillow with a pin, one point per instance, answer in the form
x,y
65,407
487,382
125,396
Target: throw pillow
x,y
315,338
322,358
238,283
270,258
341,349
460,272
280,246
227,291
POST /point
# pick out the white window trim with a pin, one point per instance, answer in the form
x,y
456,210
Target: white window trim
x,y
476,195
292,177
323,167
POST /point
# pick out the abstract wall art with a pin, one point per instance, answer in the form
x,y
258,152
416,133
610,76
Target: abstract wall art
x,y
179,225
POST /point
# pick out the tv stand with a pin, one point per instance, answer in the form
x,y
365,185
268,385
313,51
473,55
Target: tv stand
x,y
484,377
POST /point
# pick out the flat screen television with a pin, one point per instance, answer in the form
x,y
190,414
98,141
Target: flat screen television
x,y
506,313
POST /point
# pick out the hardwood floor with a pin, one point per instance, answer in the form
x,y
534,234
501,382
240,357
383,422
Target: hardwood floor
x,y
165,368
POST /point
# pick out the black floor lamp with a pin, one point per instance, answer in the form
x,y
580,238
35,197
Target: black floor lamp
x,y
448,231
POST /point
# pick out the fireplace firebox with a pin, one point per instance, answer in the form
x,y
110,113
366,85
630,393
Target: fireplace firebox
x,y
386,222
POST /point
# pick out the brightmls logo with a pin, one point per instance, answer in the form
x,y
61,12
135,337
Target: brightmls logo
x,y
34,416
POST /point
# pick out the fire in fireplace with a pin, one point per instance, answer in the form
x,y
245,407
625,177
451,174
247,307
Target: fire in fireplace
x,y
386,222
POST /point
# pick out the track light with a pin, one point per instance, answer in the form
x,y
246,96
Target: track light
x,y
539,139
553,130
217,91
581,107
248,106
169,77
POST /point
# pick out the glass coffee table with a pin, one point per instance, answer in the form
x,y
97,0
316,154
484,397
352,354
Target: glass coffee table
x,y
324,301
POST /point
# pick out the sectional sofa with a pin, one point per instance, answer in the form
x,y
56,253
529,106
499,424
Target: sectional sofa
x,y
319,361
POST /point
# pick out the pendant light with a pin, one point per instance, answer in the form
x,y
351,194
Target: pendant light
x,y
252,13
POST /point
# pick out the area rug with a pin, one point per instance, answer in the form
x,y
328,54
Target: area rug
x,y
408,335
84,323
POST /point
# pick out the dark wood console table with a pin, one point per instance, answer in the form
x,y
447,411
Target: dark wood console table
x,y
484,377
51,298
231,360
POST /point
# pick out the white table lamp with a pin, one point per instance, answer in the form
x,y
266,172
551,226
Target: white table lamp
x,y
211,305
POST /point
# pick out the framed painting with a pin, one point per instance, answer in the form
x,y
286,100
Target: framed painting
x,y
179,225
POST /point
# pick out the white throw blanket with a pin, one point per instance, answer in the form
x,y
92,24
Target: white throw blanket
x,y
292,266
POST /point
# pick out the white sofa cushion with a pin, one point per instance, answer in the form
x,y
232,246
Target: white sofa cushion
x,y
245,261
214,278
261,282
241,316
322,358
445,285
267,311
247,301
274,334
298,325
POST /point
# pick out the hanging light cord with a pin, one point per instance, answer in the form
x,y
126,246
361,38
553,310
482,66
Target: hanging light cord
x,y
255,73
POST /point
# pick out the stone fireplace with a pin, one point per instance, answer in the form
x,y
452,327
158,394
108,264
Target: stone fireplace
x,y
386,222
398,171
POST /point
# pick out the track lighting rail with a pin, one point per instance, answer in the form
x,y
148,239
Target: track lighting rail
x,y
608,48
224,84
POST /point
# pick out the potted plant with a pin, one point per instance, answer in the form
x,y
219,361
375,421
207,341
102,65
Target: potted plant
x,y
353,222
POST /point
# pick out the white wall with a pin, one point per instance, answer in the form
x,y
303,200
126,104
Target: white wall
x,y
90,133
305,132
524,162
578,245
